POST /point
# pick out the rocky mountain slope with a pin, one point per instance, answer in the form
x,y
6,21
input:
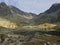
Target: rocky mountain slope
x,y
52,15
12,16
21,28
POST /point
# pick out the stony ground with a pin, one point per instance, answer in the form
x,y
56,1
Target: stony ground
x,y
29,39
15,39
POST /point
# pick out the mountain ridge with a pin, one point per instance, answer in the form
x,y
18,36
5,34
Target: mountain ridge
x,y
14,15
21,18
51,15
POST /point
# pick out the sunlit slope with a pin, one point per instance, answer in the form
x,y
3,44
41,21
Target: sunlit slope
x,y
7,24
45,26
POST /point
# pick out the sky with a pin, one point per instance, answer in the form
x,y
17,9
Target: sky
x,y
34,6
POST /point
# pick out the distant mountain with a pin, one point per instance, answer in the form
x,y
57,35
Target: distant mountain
x,y
52,15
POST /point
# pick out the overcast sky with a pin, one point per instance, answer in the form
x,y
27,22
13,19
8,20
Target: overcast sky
x,y
34,6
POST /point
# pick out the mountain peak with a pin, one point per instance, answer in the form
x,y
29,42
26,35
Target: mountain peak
x,y
55,7
3,3
56,4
